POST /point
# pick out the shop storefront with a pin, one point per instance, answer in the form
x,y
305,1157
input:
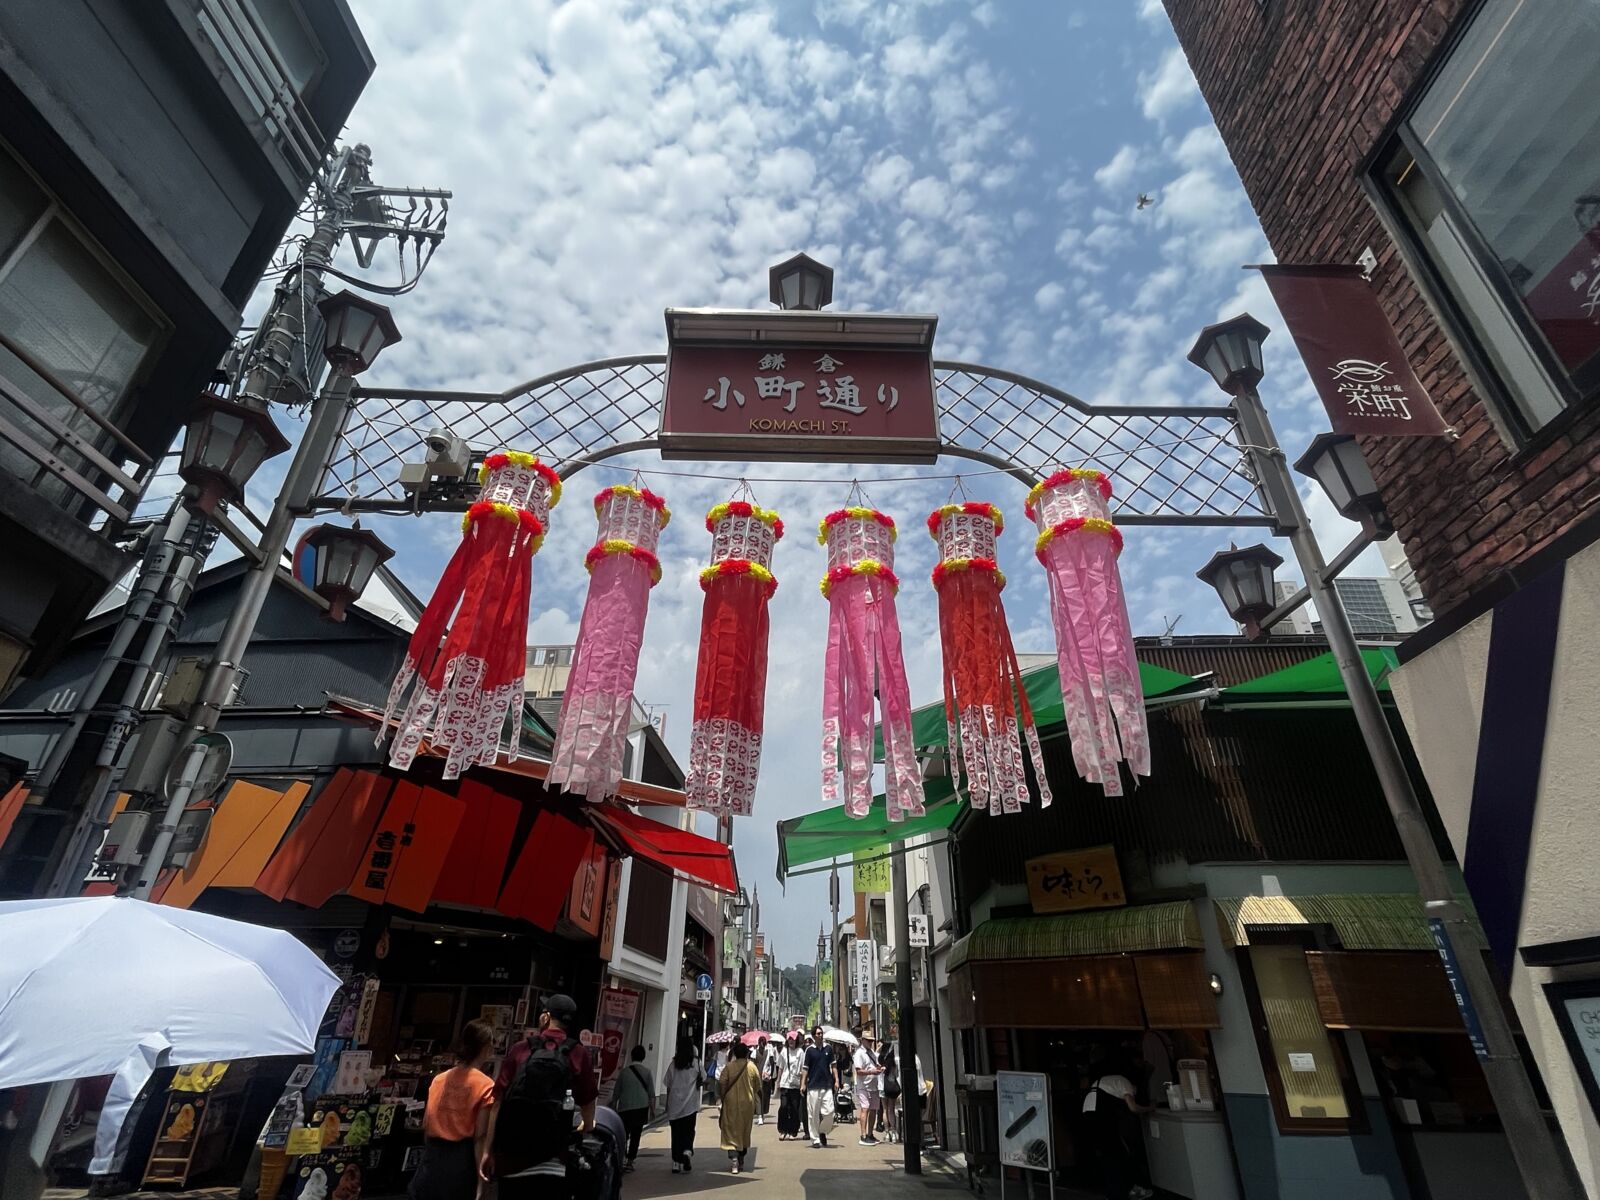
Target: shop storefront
x,y
1079,995
437,906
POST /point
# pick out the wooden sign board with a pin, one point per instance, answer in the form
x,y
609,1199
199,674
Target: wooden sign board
x,y
1075,879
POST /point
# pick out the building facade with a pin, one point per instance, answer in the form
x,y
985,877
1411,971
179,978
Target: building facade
x,y
1459,142
151,159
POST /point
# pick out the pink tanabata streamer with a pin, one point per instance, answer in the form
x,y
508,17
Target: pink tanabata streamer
x,y
597,707
1100,689
864,656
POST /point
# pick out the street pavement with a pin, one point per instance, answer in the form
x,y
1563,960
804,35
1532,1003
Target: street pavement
x,y
785,1170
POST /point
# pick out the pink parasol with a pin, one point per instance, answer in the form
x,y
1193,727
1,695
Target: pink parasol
x,y
753,1036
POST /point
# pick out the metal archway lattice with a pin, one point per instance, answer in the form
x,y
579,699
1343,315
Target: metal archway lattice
x,y
1173,465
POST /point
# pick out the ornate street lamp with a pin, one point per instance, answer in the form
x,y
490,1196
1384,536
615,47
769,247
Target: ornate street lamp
x,y
1243,580
1230,352
1335,461
357,330
223,445
337,563
801,283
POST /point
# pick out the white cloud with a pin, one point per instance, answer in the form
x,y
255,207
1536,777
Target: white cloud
x,y
1118,174
927,197
1168,88
1049,297
887,177
1152,11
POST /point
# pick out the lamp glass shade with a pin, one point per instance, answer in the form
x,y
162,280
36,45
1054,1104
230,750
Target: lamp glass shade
x,y
810,289
1230,352
789,287
357,330
224,444
1243,580
1335,461
343,561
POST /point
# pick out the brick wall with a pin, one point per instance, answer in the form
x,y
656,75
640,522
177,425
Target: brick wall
x,y
1301,93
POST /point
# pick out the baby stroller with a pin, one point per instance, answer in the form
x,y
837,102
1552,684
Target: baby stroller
x,y
594,1171
844,1106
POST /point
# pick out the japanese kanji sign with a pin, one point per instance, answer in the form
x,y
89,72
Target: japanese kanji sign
x,y
870,872
1075,879
853,402
1351,351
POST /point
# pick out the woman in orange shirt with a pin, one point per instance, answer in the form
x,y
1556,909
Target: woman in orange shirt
x,y
456,1122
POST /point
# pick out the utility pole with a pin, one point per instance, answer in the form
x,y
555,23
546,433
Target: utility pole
x,y
906,1052
75,777
835,1004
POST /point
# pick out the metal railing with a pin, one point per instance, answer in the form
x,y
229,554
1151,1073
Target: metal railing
x,y
247,51
103,466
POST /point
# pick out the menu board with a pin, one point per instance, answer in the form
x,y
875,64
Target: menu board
x,y
1023,1099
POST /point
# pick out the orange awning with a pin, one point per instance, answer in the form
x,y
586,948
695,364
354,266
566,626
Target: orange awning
x,y
244,831
316,862
542,878
677,850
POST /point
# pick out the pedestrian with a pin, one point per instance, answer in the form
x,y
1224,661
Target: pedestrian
x,y
531,1127
889,1059
1106,1106
455,1123
634,1098
822,1082
770,1066
739,1085
864,1064
683,1083
791,1088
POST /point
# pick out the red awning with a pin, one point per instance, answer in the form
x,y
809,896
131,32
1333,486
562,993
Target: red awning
x,y
677,850
632,790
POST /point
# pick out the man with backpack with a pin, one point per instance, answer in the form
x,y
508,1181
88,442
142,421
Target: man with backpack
x,y
544,1083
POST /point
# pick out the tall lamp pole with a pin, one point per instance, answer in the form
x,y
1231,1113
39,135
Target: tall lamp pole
x,y
357,331
1231,353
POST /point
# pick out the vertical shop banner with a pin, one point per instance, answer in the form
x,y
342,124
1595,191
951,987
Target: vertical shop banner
x,y
825,990
870,872
761,945
865,959
1351,352
618,1007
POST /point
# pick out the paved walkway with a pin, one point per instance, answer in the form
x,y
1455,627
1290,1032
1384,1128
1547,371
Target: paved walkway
x,y
785,1170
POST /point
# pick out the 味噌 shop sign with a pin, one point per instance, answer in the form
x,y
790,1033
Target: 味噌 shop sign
x,y
816,402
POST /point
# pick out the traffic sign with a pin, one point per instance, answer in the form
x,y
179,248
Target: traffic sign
x,y
702,982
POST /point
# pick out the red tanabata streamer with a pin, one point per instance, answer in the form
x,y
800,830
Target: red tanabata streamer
x,y
1078,546
730,685
469,678
865,661
597,708
983,690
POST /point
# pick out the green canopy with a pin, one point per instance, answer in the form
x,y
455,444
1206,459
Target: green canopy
x,y
832,834
1315,682
1043,686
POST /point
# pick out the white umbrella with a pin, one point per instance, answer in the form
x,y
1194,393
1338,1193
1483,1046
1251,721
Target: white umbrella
x,y
109,985
830,1034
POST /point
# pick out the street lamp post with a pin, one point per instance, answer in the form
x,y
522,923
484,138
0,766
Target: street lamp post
x,y
1231,353
357,331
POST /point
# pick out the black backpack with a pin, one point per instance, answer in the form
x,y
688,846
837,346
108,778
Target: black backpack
x,y
535,1124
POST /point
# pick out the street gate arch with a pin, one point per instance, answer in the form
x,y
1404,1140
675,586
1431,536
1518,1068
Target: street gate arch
x,y
1174,465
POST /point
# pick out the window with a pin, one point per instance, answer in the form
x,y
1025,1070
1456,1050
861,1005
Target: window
x,y
1493,179
1307,1069
74,316
297,51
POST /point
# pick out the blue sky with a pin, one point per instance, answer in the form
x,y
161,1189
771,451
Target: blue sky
x,y
979,161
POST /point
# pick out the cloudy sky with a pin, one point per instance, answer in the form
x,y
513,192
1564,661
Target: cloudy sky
x,y
978,161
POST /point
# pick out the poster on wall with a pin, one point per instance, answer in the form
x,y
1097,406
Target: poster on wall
x,y
618,1008
864,970
1023,1099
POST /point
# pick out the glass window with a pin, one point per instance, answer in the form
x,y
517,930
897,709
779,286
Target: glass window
x,y
64,306
298,52
1496,175
1304,1065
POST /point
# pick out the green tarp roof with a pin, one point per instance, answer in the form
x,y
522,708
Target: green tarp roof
x,y
1043,685
1313,681
829,833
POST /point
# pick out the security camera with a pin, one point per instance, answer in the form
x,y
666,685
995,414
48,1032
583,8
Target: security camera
x,y
438,442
